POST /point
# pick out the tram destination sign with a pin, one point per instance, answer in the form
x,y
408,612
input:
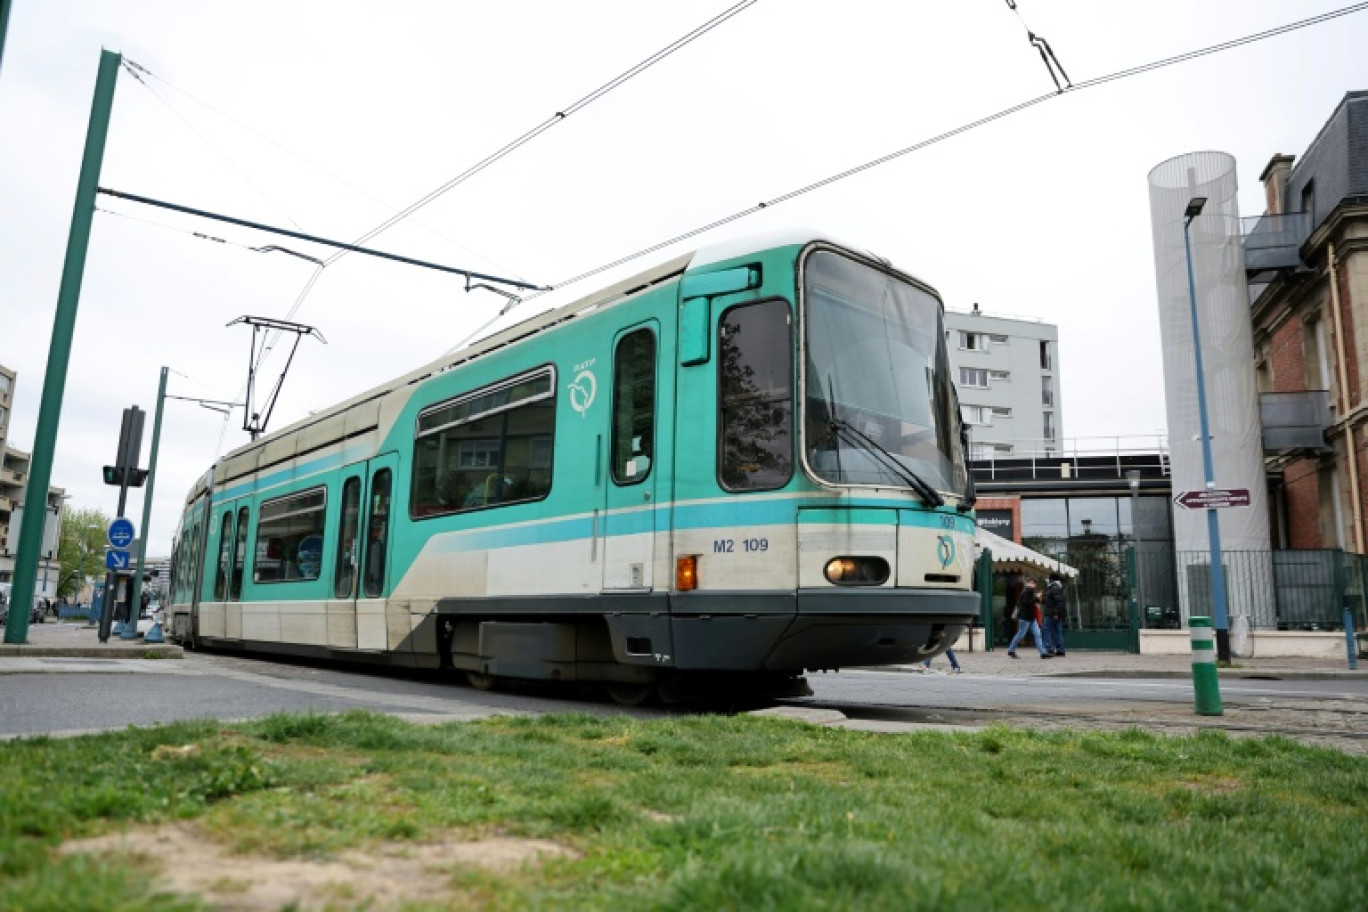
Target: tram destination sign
x,y
1213,498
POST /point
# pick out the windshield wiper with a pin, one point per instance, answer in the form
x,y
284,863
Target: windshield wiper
x,y
888,461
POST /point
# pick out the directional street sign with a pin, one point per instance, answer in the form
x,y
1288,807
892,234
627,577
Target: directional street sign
x,y
1213,499
118,559
121,533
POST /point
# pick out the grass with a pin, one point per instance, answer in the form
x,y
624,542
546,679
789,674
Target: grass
x,y
715,813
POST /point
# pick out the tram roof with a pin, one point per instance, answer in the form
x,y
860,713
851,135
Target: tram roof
x,y
596,300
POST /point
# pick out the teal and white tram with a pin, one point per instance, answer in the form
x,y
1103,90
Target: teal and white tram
x,y
747,461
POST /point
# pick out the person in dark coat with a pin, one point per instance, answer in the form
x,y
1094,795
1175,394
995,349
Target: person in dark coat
x,y
1054,615
1027,606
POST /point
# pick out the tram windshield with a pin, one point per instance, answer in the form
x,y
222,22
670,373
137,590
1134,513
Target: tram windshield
x,y
880,406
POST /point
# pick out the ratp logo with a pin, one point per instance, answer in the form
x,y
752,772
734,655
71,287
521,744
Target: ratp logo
x,y
945,550
582,391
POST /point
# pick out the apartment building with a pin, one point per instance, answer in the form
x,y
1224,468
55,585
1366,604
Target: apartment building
x,y
14,471
1007,373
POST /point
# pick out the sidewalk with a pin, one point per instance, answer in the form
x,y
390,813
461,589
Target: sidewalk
x,y
68,640
1126,665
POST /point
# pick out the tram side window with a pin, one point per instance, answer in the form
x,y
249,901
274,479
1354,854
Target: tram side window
x,y
634,377
378,537
239,556
289,537
177,554
487,448
225,557
755,392
196,543
344,578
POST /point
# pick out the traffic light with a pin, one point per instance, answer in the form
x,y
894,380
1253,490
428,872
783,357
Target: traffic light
x,y
113,475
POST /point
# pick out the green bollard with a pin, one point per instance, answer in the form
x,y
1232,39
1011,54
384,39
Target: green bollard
x,y
1206,684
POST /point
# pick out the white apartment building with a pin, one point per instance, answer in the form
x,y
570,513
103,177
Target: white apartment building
x,y
14,469
1007,373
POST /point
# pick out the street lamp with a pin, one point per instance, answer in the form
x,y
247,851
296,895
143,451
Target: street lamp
x,y
1133,479
1218,590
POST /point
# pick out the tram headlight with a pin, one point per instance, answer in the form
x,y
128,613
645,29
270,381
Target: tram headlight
x,y
686,573
857,571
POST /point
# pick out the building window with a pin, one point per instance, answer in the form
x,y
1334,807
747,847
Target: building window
x,y
997,339
976,414
999,376
973,377
289,538
1045,360
1308,200
1047,392
989,450
1049,426
1000,412
1314,348
971,341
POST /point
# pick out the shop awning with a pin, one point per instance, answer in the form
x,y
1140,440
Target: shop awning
x,y
1008,555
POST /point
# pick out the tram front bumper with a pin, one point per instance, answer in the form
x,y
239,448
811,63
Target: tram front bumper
x,y
816,630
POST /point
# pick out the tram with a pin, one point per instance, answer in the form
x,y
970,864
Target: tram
x,y
744,464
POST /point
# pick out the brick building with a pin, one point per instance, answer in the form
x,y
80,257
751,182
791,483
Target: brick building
x,y
1307,263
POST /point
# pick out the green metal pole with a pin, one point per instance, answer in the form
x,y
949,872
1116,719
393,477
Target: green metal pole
x,y
4,25
130,632
59,352
1206,684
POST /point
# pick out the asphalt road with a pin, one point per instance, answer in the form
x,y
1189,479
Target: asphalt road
x,y
79,695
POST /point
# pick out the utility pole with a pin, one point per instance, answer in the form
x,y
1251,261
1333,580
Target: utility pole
x,y
59,351
135,599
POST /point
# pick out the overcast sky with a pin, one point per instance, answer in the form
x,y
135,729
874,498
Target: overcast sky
x,y
340,113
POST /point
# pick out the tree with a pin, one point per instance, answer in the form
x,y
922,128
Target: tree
x,y
81,550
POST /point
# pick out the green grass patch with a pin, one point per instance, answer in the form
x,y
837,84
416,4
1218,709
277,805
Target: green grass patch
x,y
712,813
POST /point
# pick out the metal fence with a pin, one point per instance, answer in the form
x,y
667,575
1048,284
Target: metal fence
x,y
1280,590
1271,590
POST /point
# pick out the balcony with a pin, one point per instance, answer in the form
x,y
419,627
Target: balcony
x,y
1273,242
1294,421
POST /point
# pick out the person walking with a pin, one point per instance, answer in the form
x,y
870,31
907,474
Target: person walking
x,y
1054,615
1025,613
954,663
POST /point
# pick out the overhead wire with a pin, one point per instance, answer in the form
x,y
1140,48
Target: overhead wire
x,y
137,71
964,128
360,191
508,148
557,118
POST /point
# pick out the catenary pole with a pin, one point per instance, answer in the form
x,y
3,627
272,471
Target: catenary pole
x,y
59,352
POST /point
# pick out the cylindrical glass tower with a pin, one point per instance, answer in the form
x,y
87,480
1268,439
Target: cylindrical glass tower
x,y
1232,400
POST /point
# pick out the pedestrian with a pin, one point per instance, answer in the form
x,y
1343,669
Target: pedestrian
x,y
1027,606
954,663
1054,615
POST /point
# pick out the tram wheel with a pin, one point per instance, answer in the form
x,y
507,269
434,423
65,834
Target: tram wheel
x,y
630,694
480,681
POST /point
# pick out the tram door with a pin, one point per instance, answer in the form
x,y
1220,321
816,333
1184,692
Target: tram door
x,y
629,509
356,613
373,554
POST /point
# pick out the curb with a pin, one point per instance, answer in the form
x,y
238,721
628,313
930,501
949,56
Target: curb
x,y
131,651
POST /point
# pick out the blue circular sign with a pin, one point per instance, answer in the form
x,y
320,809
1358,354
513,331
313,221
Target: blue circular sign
x,y
121,533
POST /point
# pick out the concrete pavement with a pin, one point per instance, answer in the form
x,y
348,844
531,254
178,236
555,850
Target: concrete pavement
x,y
70,640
